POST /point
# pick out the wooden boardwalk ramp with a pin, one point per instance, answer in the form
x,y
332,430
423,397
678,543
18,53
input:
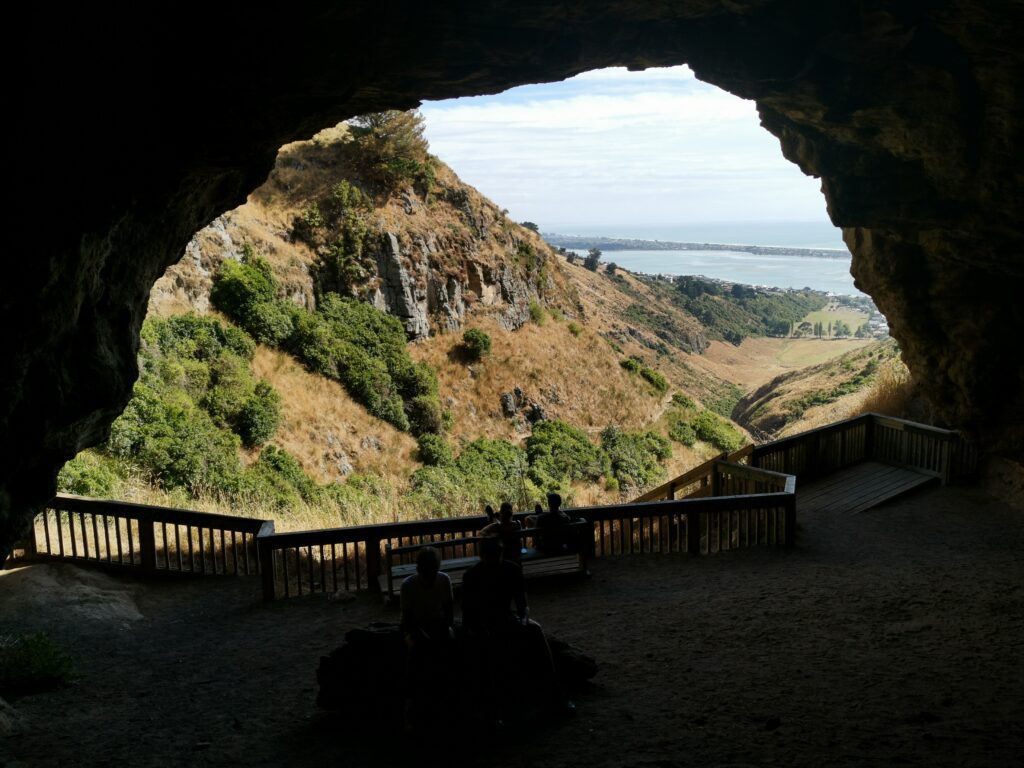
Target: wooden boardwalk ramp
x,y
859,488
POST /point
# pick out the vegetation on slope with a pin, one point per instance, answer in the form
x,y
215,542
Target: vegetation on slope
x,y
344,339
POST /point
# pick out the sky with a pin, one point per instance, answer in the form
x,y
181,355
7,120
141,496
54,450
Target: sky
x,y
614,148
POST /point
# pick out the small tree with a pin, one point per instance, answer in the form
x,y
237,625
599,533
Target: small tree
x,y
477,343
610,268
530,225
593,259
393,151
570,256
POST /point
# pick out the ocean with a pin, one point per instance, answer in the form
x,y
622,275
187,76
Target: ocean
x,y
831,275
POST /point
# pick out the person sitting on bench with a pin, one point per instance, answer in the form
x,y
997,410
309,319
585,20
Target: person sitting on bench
x,y
507,530
427,618
509,648
552,538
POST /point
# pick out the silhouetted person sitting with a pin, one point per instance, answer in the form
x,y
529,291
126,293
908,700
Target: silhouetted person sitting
x,y
507,530
512,657
489,511
427,619
552,537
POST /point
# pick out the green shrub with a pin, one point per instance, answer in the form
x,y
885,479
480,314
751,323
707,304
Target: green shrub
x,y
176,441
536,313
682,432
30,664
259,416
270,322
240,286
611,484
575,328
682,401
425,415
278,479
656,379
89,474
559,453
630,364
477,343
635,456
435,451
712,429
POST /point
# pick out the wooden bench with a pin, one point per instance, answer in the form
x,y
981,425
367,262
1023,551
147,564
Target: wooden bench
x,y
534,562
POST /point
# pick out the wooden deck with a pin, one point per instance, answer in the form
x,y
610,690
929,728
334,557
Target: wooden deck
x,y
859,488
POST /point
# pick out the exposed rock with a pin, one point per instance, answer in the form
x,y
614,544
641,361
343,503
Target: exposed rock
x,y
509,408
909,113
371,443
535,413
398,293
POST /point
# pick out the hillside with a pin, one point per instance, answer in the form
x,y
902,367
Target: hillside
x,y
335,377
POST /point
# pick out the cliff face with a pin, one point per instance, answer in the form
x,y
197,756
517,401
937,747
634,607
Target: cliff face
x,y
429,257
909,112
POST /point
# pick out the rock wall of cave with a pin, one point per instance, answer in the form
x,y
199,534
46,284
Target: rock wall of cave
x,y
134,128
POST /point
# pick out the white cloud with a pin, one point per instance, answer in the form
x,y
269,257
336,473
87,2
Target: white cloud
x,y
613,146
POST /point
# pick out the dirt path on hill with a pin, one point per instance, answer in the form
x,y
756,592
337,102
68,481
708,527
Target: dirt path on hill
x,y
892,637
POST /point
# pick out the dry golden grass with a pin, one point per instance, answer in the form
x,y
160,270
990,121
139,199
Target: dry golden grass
x,y
892,393
574,378
758,361
322,425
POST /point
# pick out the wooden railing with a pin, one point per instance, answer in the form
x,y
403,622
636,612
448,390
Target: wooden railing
x,y
819,452
338,559
722,504
145,537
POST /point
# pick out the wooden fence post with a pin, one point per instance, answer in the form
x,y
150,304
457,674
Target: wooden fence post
x,y
373,565
869,437
147,544
693,533
266,564
790,521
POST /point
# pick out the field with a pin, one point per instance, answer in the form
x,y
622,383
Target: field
x,y
833,312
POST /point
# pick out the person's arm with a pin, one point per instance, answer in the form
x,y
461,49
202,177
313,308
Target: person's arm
x,y
448,603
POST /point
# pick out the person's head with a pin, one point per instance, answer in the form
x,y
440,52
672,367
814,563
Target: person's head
x,y
428,563
554,502
538,509
489,511
505,513
491,549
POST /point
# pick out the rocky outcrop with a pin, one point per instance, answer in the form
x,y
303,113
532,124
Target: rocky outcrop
x,y
909,112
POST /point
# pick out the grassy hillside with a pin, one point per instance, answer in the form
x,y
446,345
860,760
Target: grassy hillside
x,y
347,296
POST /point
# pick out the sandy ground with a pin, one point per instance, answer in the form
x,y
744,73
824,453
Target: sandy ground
x,y
894,637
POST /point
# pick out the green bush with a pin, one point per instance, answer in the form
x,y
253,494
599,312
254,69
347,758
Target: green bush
x,y
682,432
714,430
176,441
278,479
536,313
635,456
656,379
30,664
477,343
259,416
270,322
559,453
631,364
425,415
89,474
240,286
435,451
575,328
682,401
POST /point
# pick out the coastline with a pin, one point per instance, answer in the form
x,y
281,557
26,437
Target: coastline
x,y
586,242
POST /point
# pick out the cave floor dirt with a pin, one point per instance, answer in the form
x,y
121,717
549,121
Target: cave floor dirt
x,y
892,637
